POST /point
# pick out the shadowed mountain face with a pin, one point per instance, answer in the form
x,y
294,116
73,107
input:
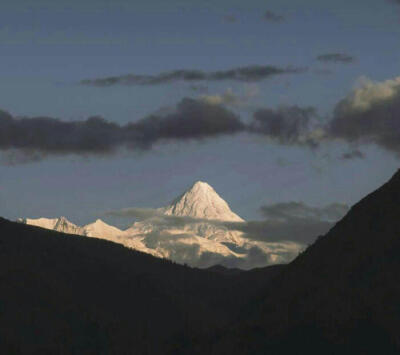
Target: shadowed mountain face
x,y
68,294
64,294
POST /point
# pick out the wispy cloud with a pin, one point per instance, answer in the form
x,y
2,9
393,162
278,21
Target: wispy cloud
x,y
287,210
292,221
336,58
251,73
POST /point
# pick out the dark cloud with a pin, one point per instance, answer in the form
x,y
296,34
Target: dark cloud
x,y
192,119
371,114
336,58
292,221
270,16
287,124
132,79
29,139
246,73
51,135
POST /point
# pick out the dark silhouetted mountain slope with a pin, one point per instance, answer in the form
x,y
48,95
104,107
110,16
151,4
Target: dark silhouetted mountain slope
x,y
67,294
341,296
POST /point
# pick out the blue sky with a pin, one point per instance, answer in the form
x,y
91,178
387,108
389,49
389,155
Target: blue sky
x,y
48,47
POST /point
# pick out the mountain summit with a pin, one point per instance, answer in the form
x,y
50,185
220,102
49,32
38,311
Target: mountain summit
x,y
202,201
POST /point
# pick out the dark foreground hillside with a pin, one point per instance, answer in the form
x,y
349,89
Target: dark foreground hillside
x,y
341,296
65,294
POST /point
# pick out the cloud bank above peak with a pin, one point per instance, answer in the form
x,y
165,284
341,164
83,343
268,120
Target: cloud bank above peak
x,y
369,114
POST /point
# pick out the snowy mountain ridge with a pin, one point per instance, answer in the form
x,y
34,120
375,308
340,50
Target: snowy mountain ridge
x,y
200,244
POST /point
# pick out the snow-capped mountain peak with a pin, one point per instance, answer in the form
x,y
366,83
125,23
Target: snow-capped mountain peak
x,y
202,201
100,229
